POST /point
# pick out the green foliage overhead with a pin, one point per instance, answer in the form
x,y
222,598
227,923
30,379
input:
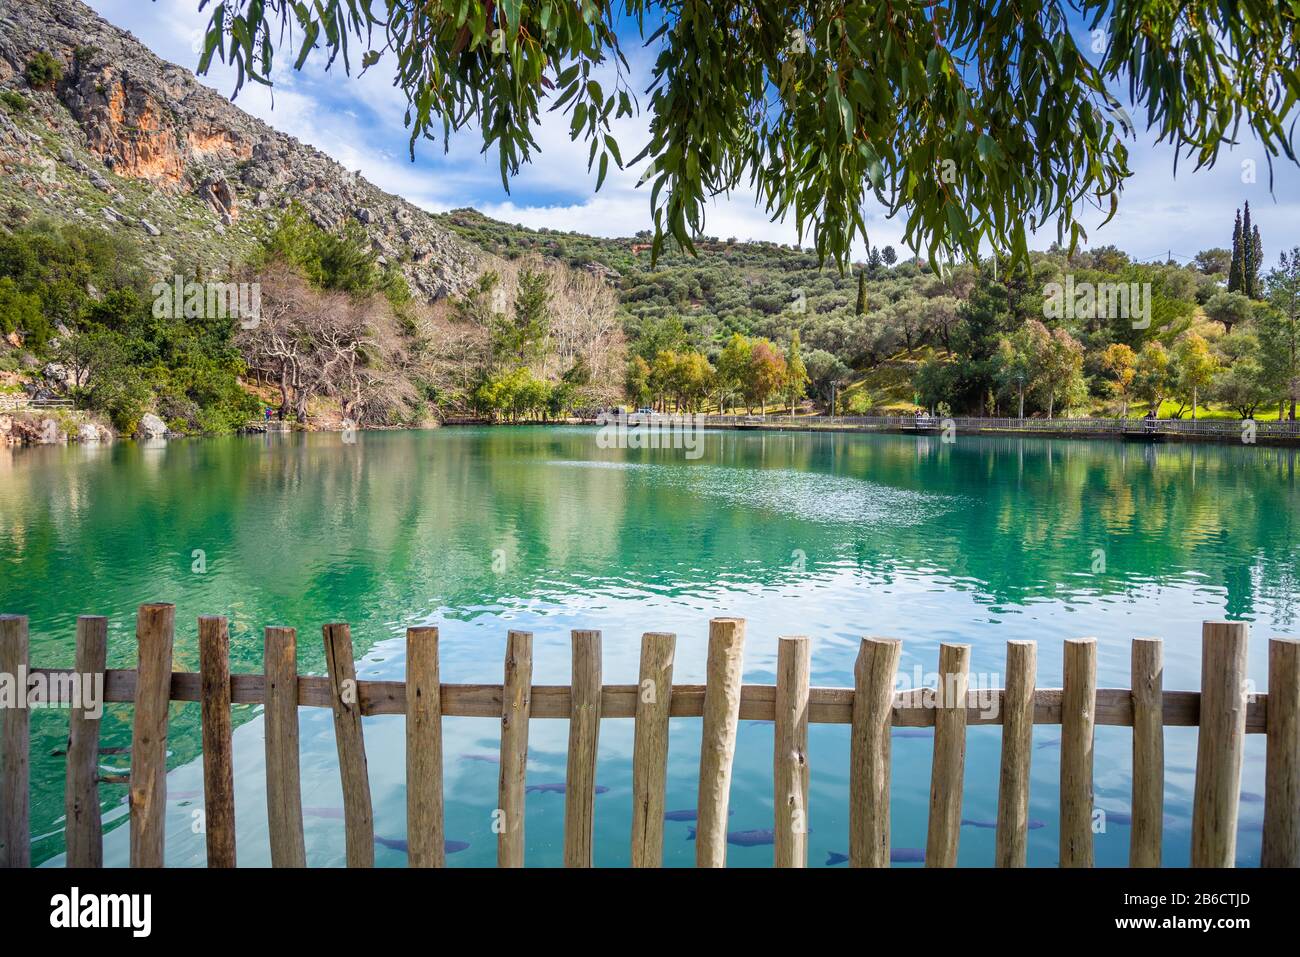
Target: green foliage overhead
x,y
982,119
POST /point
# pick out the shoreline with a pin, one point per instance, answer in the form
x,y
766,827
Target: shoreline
x,y
1287,439
1137,436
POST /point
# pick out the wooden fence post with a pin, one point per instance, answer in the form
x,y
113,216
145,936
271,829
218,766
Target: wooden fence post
x,y
790,752
1281,845
283,775
516,706
84,829
424,800
1078,721
154,631
15,745
650,748
1147,832
584,735
218,755
345,699
948,767
718,743
1220,743
1011,841
869,751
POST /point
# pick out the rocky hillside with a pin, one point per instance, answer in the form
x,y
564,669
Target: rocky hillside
x,y
95,128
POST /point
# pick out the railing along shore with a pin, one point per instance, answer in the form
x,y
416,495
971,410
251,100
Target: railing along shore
x,y
1208,427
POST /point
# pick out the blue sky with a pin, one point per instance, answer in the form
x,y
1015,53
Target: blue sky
x,y
358,121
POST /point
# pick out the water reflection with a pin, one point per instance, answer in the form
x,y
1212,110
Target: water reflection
x,y
479,530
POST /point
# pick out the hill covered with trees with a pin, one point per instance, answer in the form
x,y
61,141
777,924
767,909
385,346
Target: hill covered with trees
x,y
752,324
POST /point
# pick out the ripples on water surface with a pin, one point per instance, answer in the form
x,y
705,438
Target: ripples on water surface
x,y
833,536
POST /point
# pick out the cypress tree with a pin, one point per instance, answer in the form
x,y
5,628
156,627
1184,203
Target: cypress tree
x,y
1249,268
862,291
1257,250
1235,268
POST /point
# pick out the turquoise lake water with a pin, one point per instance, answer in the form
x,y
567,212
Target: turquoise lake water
x,y
483,530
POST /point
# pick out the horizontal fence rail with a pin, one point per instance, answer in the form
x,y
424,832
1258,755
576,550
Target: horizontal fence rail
x,y
12,402
1225,710
1215,427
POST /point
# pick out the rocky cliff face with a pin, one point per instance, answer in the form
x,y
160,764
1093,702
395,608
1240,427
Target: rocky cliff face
x,y
128,140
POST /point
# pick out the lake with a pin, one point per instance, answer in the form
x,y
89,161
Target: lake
x,y
480,530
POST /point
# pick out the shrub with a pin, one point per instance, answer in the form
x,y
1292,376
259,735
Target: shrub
x,y
16,102
43,70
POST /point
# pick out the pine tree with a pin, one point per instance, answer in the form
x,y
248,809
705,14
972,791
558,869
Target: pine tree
x,y
1249,267
874,261
1235,267
862,291
889,255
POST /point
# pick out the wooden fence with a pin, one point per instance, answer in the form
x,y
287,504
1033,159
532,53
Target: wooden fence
x,y
1222,428
1225,710
17,402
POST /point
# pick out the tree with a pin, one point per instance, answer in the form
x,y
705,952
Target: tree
x,y
638,382
806,102
666,332
1153,379
1237,266
909,316
693,379
1228,308
943,316
1249,263
1061,375
765,375
1121,362
889,256
874,260
21,312
825,373
663,378
1257,252
733,368
1019,361
342,261
1241,382
796,373
1213,262
90,354
1279,329
1194,369
521,337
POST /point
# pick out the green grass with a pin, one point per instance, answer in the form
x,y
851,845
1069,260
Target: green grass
x,y
1137,410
